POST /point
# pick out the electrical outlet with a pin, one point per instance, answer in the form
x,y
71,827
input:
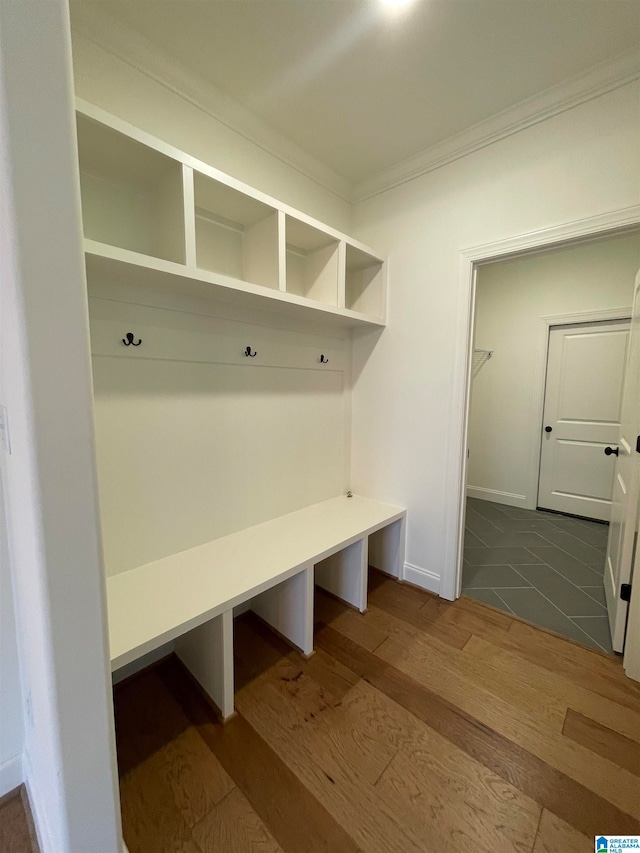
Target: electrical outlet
x,y
4,429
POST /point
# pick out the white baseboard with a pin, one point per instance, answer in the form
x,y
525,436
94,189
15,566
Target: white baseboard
x,y
43,831
506,498
422,577
11,774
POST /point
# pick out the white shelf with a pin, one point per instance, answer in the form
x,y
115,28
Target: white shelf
x,y
131,194
311,262
110,264
156,216
236,235
364,282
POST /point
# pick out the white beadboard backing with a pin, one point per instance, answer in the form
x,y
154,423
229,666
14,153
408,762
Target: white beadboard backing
x,y
195,440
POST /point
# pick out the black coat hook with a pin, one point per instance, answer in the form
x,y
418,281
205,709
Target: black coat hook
x,y
129,341
324,360
249,353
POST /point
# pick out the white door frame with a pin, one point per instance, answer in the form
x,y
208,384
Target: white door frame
x,y
542,356
583,230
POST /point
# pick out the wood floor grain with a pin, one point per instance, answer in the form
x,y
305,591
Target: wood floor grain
x,y
603,740
17,834
417,726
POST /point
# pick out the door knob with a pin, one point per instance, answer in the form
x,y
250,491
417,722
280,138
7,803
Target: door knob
x,y
548,429
611,451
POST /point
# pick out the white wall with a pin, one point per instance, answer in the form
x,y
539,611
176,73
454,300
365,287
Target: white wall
x,y
511,298
120,88
11,729
408,385
50,484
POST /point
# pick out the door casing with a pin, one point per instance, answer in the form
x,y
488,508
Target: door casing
x,y
605,225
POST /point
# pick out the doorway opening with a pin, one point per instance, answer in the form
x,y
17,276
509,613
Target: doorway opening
x,y
550,348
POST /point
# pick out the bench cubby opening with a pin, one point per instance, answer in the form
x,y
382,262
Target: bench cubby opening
x,y
207,652
344,574
288,609
312,258
236,235
386,549
132,195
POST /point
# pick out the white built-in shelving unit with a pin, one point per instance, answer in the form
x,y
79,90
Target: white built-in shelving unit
x,y
154,215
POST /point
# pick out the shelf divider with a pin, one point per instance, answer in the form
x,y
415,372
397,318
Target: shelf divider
x,y
189,216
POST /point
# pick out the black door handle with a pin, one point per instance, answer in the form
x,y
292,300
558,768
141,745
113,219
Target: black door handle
x,y
611,451
548,429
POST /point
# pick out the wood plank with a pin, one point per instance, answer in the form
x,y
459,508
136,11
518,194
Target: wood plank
x,y
169,778
329,673
377,823
554,790
339,750
177,753
557,690
333,612
549,745
233,827
336,729
445,664
197,781
15,836
600,673
296,819
603,740
556,836
151,820
470,804
405,602
488,623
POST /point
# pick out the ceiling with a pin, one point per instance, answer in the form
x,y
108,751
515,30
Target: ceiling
x,y
362,87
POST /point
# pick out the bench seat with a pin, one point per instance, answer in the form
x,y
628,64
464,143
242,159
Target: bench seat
x,y
272,564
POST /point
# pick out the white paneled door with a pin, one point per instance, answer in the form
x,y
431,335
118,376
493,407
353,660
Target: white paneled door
x,y
626,486
581,424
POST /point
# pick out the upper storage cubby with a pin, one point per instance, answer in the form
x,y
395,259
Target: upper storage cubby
x,y
155,218
311,262
236,235
365,285
132,195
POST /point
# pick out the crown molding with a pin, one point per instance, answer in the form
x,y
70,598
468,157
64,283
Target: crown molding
x,y
584,87
91,22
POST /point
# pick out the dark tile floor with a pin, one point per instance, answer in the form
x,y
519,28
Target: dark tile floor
x,y
543,567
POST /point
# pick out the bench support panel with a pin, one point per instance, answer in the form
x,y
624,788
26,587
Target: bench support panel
x,y
345,574
207,652
288,609
386,549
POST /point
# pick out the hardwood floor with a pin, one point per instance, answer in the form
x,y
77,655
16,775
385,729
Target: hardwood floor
x,y
418,726
17,833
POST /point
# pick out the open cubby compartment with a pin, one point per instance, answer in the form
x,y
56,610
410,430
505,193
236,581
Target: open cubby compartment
x,y
236,234
364,283
312,262
132,195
